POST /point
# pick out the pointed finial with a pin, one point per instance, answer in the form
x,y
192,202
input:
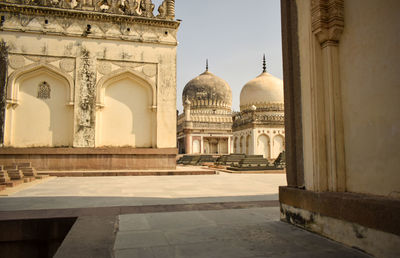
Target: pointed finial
x,y
206,64
264,65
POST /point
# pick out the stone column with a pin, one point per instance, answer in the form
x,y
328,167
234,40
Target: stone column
x,y
229,145
3,81
188,143
85,100
327,26
202,145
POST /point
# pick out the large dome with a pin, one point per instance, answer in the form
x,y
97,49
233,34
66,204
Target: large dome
x,y
207,91
262,90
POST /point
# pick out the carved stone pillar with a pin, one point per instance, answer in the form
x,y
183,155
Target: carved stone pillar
x,y
3,81
327,26
85,99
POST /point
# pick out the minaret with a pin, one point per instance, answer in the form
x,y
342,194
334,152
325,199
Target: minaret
x,y
264,65
171,9
206,65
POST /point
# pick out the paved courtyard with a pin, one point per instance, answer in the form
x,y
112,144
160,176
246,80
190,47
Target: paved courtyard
x,y
223,215
76,192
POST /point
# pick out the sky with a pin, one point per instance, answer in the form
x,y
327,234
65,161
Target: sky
x,y
233,35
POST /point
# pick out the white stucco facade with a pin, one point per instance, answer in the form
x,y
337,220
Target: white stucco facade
x,y
258,129
111,77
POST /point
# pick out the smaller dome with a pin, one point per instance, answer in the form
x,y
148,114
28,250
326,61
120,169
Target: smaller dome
x,y
208,91
264,89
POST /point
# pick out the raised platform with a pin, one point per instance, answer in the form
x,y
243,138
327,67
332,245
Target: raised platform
x,y
105,158
169,172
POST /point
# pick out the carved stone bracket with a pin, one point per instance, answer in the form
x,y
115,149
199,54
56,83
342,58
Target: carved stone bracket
x,y
327,20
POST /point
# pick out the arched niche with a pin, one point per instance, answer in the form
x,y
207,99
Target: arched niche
x,y
242,145
25,72
196,146
126,115
248,144
138,78
278,145
263,146
39,111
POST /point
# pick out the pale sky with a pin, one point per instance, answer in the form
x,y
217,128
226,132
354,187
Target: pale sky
x,y
233,35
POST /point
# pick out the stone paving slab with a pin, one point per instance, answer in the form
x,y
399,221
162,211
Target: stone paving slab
x,y
253,232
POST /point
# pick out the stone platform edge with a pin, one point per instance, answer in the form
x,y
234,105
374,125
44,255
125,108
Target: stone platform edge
x,y
127,173
103,158
87,151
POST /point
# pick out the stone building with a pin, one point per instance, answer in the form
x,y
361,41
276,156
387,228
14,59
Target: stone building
x,y
95,75
258,129
342,121
205,127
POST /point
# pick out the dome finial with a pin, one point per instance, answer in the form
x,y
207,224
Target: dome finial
x,y
207,64
264,65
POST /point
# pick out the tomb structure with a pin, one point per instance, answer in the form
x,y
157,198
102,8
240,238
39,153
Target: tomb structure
x,y
88,84
258,129
205,127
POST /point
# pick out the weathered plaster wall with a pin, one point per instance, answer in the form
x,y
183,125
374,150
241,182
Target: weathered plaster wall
x,y
370,65
146,51
126,118
42,122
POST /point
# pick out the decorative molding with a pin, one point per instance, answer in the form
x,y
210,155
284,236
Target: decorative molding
x,y
67,65
327,20
104,67
263,106
13,87
16,61
26,10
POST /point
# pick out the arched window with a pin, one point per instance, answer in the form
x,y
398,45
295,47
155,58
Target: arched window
x,y
43,91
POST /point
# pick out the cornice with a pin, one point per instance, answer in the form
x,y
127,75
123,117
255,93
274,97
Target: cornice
x,y
19,9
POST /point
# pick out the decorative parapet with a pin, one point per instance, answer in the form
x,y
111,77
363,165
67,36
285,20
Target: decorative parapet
x,y
240,119
212,125
138,11
263,107
327,17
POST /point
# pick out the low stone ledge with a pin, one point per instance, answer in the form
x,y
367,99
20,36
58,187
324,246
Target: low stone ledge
x,y
107,158
88,151
376,212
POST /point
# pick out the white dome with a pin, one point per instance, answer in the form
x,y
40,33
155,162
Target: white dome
x,y
264,89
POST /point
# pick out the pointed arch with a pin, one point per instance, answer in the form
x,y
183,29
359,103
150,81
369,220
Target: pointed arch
x,y
121,74
34,70
263,145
